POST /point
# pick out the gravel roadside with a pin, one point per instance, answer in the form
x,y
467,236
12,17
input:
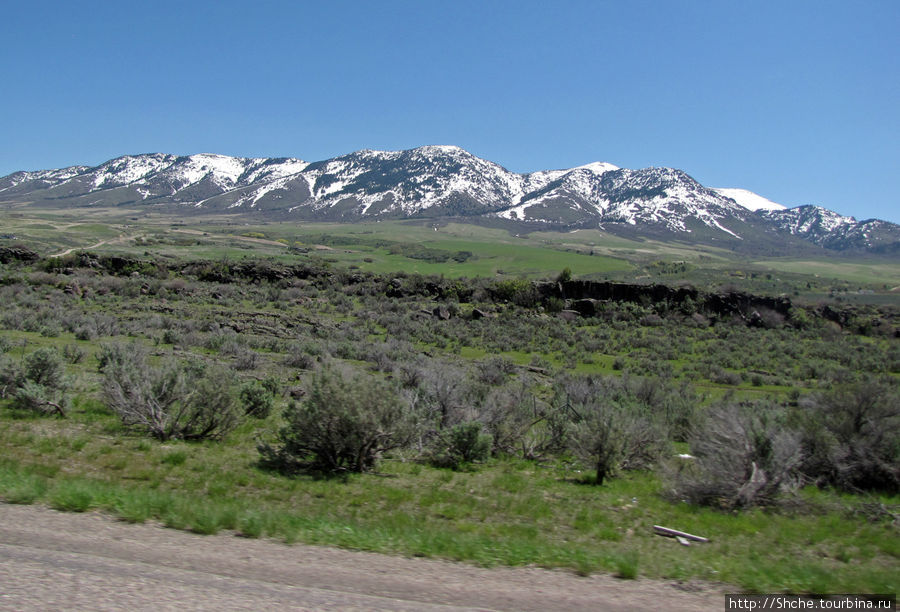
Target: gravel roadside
x,y
60,561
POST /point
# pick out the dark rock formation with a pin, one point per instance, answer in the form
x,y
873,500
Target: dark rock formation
x,y
17,253
585,297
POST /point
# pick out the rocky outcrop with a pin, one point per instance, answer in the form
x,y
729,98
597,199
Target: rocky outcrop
x,y
17,253
586,298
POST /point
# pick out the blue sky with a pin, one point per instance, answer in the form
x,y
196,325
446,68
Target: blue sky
x,y
798,101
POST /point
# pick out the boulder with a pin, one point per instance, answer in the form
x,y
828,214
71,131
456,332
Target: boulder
x,y
569,315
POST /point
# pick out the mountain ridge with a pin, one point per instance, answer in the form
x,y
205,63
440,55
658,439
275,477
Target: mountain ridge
x,y
437,181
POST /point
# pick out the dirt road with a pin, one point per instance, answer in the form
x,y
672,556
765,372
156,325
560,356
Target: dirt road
x,y
55,561
117,240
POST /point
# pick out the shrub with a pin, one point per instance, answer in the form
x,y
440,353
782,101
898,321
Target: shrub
x,y
171,336
851,435
446,394
460,444
256,400
39,398
723,377
554,305
344,425
172,400
45,367
618,423
297,358
38,386
494,370
613,436
271,385
117,354
509,414
246,359
745,456
73,353
519,291
51,330
11,377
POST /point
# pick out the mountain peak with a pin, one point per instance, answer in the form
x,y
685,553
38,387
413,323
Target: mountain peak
x,y
447,181
440,149
597,167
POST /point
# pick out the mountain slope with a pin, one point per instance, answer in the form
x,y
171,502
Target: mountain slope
x,y
151,177
833,231
447,181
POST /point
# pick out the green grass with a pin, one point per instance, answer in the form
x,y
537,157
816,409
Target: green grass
x,y
177,457
509,512
496,251
855,272
489,260
71,496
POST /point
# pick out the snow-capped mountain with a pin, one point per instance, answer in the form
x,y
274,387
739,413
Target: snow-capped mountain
x,y
442,181
749,200
149,177
833,231
662,197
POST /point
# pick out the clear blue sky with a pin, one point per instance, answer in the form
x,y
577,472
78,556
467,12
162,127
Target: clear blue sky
x,y
796,100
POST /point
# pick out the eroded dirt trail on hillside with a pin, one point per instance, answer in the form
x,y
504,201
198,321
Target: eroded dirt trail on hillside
x,y
55,561
120,239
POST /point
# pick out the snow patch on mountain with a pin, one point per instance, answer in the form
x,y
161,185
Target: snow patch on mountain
x,y
749,200
805,220
597,167
265,169
128,169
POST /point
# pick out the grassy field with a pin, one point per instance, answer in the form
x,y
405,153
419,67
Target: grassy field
x,y
494,252
509,512
862,274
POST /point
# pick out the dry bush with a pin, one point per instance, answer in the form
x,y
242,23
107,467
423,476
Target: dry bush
x,y
609,427
613,436
446,394
171,400
513,417
745,456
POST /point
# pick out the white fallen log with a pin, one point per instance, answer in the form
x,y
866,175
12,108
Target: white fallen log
x,y
674,533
